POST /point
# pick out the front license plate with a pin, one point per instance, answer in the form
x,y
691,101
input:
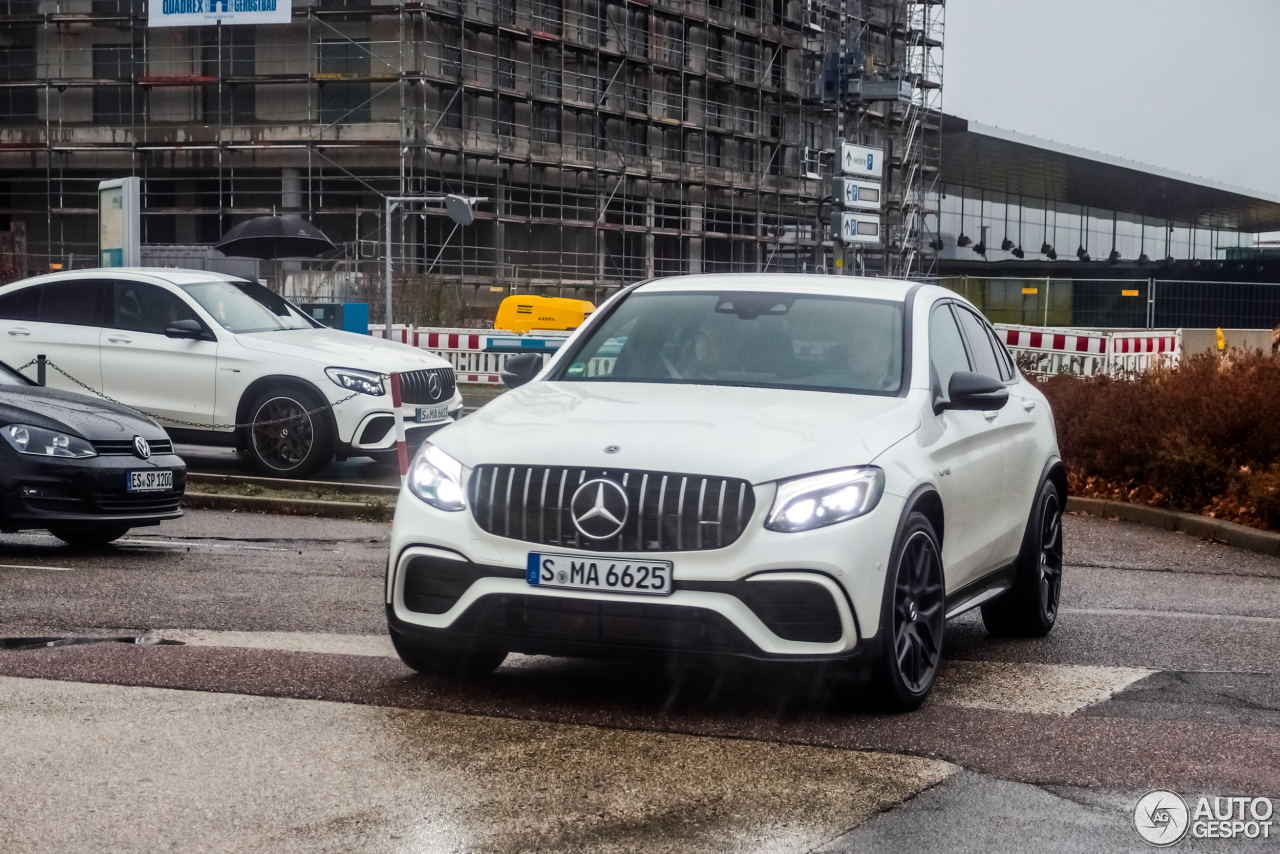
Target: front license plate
x,y
150,481
616,575
432,413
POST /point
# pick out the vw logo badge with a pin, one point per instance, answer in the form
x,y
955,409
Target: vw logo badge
x,y
141,448
599,509
433,386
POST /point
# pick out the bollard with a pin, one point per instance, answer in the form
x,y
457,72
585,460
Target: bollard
x,y
402,451
40,369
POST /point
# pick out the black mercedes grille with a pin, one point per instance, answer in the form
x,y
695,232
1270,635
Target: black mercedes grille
x,y
668,512
124,447
415,386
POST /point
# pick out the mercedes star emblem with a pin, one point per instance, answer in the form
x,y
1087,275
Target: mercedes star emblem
x,y
599,509
141,448
611,449
433,386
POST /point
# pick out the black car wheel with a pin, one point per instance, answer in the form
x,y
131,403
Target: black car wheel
x,y
89,536
448,662
287,437
1030,608
912,621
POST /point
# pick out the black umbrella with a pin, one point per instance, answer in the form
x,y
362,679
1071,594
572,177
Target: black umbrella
x,y
270,237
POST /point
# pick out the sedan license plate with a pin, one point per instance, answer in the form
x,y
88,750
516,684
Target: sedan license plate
x,y
432,413
611,574
150,481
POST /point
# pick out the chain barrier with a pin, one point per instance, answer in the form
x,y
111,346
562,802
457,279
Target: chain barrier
x,y
290,419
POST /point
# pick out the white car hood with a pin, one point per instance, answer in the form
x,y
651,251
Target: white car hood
x,y
757,434
339,349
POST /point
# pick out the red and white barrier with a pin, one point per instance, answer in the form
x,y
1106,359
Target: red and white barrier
x,y
1089,352
466,349
397,405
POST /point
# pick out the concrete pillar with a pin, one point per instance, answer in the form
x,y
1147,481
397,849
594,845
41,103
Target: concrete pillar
x,y
290,189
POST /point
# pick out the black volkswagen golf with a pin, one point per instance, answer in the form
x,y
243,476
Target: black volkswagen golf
x,y
84,469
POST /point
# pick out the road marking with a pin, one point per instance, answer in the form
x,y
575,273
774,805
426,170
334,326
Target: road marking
x,y
1037,689
1176,615
378,646
1045,689
25,566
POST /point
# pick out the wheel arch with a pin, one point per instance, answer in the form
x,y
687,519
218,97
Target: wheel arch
x,y
926,500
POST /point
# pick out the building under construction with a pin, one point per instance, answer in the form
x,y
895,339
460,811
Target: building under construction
x,y
613,140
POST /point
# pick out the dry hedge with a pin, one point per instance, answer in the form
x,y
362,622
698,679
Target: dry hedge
x,y
1203,437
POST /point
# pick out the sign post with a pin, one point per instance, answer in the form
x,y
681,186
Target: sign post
x,y
860,193
119,223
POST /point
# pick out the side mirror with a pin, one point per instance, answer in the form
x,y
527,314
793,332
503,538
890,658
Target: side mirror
x,y
521,368
184,329
974,393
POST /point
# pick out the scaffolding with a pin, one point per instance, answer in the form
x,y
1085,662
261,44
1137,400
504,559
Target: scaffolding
x,y
617,139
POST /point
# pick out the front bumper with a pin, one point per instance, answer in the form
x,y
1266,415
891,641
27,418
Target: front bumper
x,y
36,492
370,429
719,605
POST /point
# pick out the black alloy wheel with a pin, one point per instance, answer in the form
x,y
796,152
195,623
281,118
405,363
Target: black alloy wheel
x,y
1050,556
912,625
918,613
288,436
1030,608
447,662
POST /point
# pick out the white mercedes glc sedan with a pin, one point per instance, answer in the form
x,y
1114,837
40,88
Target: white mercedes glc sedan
x,y
789,468
219,360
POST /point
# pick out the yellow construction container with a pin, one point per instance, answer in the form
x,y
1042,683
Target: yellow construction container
x,y
526,313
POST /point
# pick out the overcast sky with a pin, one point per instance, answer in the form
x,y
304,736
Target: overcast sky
x,y
1193,87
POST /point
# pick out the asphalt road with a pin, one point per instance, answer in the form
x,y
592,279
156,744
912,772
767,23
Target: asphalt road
x,y
280,720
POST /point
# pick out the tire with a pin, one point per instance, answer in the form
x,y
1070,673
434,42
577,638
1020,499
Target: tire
x,y
447,662
297,447
90,536
1030,608
912,619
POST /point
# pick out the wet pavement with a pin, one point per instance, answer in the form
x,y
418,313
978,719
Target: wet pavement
x,y
284,721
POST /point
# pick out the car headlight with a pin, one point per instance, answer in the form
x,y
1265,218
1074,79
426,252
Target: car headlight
x,y
436,478
40,442
825,499
365,382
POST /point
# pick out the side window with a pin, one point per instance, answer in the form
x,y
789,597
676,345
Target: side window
x,y
1002,356
984,357
22,304
946,349
75,303
146,308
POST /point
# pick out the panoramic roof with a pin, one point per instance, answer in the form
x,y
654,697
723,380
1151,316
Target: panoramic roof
x,y
981,157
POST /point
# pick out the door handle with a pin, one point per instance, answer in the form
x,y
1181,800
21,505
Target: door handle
x,y
19,331
991,416
119,339
1028,405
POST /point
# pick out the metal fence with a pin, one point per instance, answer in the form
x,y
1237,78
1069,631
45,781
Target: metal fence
x,y
1122,303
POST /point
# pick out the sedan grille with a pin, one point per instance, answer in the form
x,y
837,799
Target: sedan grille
x,y
667,512
416,386
124,447
138,502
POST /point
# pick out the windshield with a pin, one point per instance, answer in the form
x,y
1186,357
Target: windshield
x,y
240,307
8,376
774,340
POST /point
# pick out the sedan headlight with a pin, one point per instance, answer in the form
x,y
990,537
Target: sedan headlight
x,y
825,499
365,382
436,478
40,442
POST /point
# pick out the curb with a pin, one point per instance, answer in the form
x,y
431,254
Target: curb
x,y
284,483
287,506
1233,534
